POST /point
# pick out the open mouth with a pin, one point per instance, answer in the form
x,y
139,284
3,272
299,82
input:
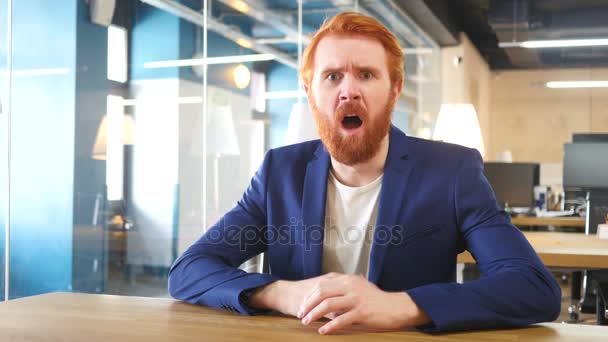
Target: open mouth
x,y
351,122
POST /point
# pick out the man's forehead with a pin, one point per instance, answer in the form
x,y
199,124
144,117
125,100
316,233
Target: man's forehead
x,y
338,51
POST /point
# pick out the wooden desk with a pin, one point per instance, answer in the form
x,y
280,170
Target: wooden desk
x,y
572,250
577,222
81,317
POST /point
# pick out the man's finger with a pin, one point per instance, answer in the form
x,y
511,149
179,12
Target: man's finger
x,y
330,288
340,322
331,275
327,306
333,315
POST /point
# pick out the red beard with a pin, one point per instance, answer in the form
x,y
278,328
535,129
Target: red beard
x,y
352,149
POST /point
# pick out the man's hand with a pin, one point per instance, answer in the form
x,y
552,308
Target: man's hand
x,y
349,299
286,296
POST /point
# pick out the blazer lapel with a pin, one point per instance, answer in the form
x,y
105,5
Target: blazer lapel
x,y
313,212
394,186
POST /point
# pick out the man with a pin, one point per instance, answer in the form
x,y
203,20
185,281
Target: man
x,y
310,205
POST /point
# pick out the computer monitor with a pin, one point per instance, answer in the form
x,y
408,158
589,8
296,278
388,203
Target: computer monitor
x,y
590,137
513,183
586,166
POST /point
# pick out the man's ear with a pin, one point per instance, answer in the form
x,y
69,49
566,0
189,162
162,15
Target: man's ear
x,y
396,90
307,90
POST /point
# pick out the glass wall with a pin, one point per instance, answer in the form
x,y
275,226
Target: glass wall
x,y
4,122
135,129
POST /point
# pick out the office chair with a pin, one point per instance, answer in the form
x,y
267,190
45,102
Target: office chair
x,y
594,282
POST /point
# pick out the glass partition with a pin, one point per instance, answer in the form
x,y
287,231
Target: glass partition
x,y
5,41
134,130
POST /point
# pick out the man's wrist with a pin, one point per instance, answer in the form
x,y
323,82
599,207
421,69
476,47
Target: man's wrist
x,y
266,296
409,313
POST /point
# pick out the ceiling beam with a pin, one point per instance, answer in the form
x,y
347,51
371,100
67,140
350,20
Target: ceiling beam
x,y
263,14
219,27
430,19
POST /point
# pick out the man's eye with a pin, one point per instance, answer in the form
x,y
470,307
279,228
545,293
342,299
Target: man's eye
x,y
333,77
366,75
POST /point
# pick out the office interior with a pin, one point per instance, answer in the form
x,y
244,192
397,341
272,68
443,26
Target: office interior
x,y
129,126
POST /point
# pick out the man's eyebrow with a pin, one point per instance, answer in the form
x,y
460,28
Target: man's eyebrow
x,y
370,68
330,70
373,69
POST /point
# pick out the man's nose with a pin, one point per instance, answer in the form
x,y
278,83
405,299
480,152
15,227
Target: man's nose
x,y
349,90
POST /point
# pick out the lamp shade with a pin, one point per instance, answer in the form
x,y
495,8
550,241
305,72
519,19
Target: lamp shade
x,y
100,149
301,126
222,139
457,123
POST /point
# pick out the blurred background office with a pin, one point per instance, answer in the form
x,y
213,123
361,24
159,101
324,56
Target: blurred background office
x,y
129,126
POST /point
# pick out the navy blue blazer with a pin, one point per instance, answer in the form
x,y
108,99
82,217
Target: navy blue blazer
x,y
434,203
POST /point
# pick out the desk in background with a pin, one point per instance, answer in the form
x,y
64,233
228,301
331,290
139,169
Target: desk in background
x,y
568,250
576,222
86,317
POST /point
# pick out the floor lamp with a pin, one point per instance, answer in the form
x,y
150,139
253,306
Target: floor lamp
x,y
114,133
221,141
301,126
457,123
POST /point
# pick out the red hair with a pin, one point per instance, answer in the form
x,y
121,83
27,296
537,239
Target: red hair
x,y
352,23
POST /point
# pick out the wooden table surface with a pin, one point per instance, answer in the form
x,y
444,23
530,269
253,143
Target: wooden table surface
x,y
575,250
69,317
577,222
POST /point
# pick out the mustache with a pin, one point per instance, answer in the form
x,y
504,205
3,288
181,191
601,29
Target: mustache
x,y
350,108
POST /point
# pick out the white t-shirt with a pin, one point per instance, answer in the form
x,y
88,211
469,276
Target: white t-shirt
x,y
350,218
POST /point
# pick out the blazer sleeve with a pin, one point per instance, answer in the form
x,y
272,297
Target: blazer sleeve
x,y
515,288
207,273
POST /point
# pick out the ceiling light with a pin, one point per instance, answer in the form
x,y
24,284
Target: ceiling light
x,y
178,100
284,94
244,43
556,43
210,60
577,84
242,76
37,72
240,6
